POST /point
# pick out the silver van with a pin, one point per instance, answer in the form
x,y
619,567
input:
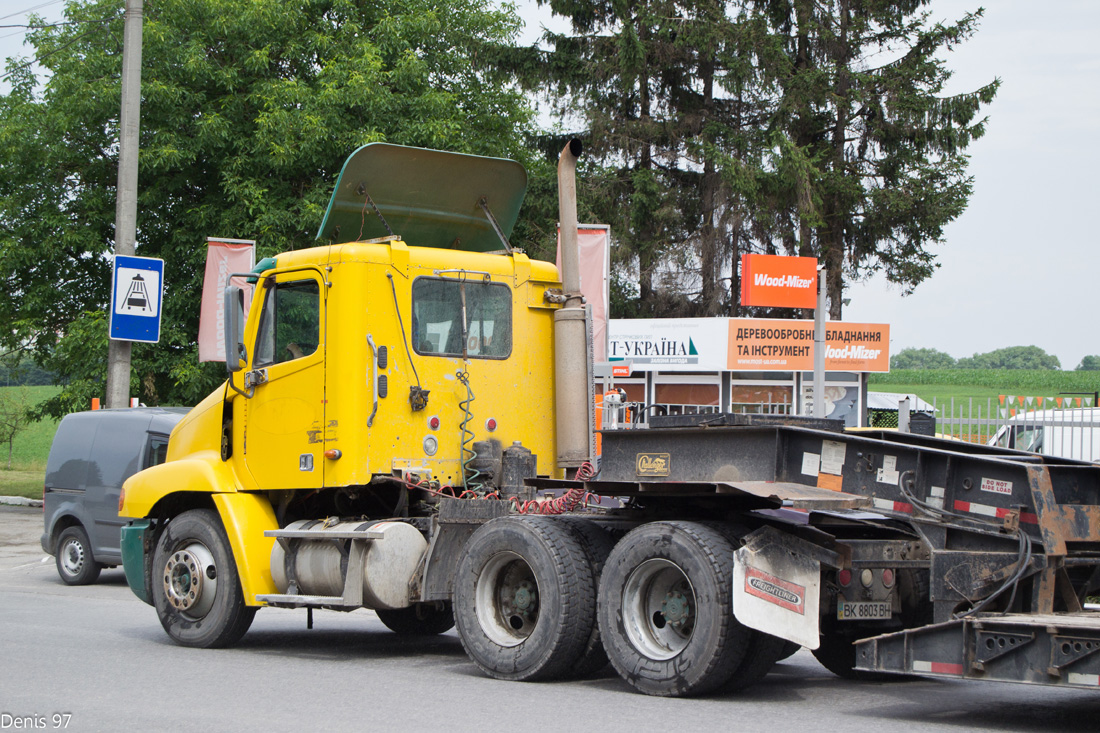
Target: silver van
x,y
92,454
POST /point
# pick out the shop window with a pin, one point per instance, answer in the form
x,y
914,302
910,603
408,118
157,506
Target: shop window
x,y
688,394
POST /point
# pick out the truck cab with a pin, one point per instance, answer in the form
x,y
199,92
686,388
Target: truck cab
x,y
407,359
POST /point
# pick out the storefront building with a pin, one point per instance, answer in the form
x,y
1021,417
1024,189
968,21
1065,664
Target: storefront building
x,y
753,365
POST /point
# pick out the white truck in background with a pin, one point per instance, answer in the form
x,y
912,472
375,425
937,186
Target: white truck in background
x,y
1072,433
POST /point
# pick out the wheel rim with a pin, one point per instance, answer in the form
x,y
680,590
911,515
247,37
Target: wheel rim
x,y
507,599
659,609
72,556
191,580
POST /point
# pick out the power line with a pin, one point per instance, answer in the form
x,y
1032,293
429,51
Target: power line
x,y
43,57
31,10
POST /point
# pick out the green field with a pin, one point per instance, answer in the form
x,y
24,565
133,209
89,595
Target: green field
x,y
983,384
30,450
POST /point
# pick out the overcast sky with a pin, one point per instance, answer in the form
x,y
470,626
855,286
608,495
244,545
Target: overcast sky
x,y
1022,265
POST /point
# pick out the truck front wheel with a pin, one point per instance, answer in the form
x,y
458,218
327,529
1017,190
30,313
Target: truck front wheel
x,y
196,590
665,610
524,598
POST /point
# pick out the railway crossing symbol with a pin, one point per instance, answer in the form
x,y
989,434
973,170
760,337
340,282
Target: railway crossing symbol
x,y
137,286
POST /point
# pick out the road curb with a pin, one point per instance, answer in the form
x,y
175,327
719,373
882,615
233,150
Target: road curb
x,y
19,501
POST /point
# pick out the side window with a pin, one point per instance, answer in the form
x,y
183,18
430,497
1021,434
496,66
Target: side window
x,y
438,327
290,322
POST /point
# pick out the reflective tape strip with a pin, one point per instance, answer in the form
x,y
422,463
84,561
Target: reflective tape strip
x,y
993,511
1092,680
892,506
937,667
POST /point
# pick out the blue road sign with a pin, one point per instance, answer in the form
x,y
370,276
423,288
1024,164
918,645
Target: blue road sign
x,y
137,286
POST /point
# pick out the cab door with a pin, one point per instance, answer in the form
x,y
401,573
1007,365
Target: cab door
x,y
284,426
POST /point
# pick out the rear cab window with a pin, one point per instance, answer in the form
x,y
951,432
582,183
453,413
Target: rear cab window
x,y
463,318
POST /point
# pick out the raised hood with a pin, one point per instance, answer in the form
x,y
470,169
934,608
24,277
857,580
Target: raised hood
x,y
429,198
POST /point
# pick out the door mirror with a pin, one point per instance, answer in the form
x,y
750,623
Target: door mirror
x,y
235,352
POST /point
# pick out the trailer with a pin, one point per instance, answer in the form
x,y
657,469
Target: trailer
x,y
407,427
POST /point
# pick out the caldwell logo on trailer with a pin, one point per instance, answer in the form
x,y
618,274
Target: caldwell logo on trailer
x,y
781,282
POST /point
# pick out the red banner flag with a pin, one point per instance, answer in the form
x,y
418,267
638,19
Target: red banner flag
x,y
223,256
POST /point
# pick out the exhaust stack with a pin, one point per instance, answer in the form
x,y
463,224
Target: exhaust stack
x,y
573,398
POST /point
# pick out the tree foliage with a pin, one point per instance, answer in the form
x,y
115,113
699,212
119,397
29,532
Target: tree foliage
x,y
14,416
921,359
1090,363
249,108
801,127
1012,357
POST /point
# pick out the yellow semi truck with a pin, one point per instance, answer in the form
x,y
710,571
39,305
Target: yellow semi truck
x,y
397,396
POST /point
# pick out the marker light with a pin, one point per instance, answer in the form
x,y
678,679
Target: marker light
x,y
433,422
844,577
491,424
888,578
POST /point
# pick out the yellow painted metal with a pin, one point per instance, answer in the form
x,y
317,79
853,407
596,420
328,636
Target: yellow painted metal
x,y
323,402
246,517
202,471
518,392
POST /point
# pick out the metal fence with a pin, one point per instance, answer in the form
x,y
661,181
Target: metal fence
x,y
1067,433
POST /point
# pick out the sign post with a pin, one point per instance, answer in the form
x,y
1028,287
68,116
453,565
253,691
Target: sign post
x,y
137,286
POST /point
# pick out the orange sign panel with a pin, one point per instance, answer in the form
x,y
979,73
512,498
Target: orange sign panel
x,y
768,344
780,282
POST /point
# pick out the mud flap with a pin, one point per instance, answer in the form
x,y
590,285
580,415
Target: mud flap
x,y
777,585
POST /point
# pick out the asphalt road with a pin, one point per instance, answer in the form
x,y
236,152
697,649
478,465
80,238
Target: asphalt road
x,y
98,654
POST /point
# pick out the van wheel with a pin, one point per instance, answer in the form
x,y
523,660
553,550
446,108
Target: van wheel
x,y
422,619
524,599
196,589
75,563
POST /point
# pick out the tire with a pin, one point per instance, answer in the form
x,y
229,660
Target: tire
x,y
761,654
597,545
681,570
837,653
196,589
422,619
789,650
524,598
73,555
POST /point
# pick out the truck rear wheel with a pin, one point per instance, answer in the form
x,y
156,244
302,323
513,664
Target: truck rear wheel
x,y
421,619
196,590
524,598
666,610
597,545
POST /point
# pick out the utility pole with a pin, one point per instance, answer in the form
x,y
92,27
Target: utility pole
x,y
819,345
118,352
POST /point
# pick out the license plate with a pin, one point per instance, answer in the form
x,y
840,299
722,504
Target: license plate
x,y
862,610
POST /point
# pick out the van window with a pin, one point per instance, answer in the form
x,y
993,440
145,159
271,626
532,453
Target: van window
x,y
1029,438
290,322
437,324
158,450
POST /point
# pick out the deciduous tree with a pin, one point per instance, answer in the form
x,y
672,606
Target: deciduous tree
x,y
249,108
